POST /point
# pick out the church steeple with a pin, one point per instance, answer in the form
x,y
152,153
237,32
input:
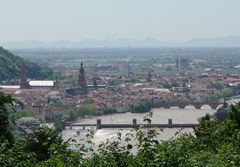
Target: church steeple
x,y
81,79
81,70
23,78
149,79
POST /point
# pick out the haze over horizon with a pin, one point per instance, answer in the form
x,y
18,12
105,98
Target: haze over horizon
x,y
166,21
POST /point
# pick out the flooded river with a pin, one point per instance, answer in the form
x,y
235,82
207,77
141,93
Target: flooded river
x,y
160,116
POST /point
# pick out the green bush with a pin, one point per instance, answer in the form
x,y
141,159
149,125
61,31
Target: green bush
x,y
23,113
110,111
142,106
87,110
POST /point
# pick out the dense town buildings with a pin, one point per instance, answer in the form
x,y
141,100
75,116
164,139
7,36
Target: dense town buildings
x,y
121,81
186,86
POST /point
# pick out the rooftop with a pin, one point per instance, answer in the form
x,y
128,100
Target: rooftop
x,y
41,83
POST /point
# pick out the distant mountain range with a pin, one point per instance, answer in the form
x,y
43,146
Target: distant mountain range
x,y
230,41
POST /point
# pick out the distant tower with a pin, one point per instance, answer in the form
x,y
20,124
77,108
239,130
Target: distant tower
x,y
182,63
129,70
178,61
23,83
81,79
149,79
95,84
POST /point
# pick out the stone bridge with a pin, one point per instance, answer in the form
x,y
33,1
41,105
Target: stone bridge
x,y
134,124
197,105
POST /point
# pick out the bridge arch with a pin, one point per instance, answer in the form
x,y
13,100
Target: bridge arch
x,y
196,105
174,107
216,106
189,106
206,106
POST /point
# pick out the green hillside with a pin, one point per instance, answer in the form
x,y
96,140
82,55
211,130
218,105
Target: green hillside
x,y
10,67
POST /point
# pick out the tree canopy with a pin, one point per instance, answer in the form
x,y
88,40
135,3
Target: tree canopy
x,y
212,143
142,106
4,122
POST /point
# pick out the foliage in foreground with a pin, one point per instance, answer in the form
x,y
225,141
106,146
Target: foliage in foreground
x,y
212,144
5,133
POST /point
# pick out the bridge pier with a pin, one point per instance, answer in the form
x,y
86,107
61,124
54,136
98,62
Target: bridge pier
x,y
134,122
167,106
182,106
170,123
214,105
99,122
197,106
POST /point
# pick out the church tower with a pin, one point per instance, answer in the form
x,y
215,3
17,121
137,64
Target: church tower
x,y
95,84
23,80
81,79
149,79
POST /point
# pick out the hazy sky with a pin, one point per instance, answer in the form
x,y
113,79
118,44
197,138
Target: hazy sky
x,y
75,20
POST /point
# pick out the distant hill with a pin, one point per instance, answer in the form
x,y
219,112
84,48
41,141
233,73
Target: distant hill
x,y
228,41
10,67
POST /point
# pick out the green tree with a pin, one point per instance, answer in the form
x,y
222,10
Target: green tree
x,y
23,113
5,132
110,110
218,85
58,123
87,109
142,106
235,113
40,142
72,116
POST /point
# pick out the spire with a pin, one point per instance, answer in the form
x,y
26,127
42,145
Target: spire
x,y
81,70
81,78
23,78
95,83
149,79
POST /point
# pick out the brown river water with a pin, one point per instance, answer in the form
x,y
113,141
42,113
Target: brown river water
x,y
160,116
